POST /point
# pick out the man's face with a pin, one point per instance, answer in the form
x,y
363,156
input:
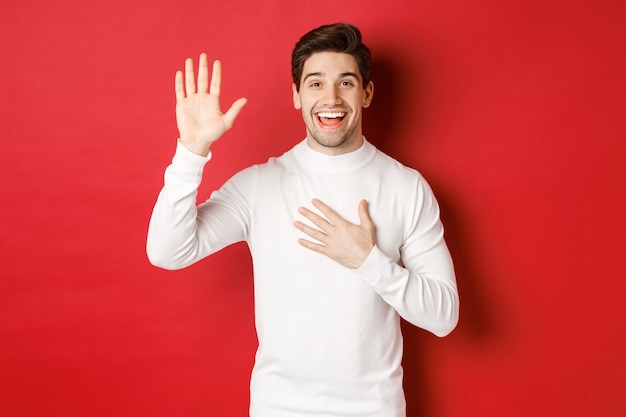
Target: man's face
x,y
332,98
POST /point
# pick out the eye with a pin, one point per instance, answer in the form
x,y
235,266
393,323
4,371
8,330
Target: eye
x,y
346,83
315,84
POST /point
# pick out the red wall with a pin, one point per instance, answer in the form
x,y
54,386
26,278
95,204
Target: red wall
x,y
513,110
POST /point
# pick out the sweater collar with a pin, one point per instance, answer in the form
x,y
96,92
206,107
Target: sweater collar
x,y
321,162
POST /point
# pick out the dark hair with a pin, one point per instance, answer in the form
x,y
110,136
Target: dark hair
x,y
338,37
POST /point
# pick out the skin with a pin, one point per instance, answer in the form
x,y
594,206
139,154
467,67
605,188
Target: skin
x,y
331,82
344,242
198,113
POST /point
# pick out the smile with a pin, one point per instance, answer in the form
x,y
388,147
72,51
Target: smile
x,y
331,115
331,119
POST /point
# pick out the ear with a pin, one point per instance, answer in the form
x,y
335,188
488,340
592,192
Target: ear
x,y
369,94
296,97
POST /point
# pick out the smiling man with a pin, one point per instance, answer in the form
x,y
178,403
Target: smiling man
x,y
331,96
345,241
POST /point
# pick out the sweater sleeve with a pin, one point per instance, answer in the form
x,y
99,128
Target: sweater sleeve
x,y
181,233
422,289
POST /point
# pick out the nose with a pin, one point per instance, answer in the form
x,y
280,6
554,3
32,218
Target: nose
x,y
332,96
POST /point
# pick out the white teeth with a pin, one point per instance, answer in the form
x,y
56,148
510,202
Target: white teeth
x,y
329,115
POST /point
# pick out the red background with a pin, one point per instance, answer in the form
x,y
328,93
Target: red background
x,y
514,111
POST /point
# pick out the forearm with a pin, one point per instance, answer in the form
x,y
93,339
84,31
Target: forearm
x,y
182,233
172,241
428,299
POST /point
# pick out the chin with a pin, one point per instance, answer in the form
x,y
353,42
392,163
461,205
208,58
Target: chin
x,y
332,139
331,142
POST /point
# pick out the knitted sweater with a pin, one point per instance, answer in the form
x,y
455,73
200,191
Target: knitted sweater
x,y
329,336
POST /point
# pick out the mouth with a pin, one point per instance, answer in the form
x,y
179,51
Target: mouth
x,y
330,119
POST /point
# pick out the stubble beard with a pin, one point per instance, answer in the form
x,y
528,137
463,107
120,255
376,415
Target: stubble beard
x,y
332,139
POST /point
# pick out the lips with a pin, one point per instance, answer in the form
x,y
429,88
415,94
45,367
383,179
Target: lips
x,y
330,119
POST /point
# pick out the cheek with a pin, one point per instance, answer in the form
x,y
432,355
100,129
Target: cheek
x,y
305,105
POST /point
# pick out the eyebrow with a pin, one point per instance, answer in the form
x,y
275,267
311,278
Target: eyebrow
x,y
321,74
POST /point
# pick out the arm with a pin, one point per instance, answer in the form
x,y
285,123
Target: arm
x,y
423,289
179,233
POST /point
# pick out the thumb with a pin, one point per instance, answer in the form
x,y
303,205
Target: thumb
x,y
364,215
233,112
366,221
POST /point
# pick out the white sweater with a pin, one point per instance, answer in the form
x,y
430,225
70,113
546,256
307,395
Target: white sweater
x,y
329,336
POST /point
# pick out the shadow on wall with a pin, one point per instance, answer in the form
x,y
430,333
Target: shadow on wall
x,y
380,120
391,114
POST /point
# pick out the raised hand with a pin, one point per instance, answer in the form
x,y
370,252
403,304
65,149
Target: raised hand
x,y
345,242
198,113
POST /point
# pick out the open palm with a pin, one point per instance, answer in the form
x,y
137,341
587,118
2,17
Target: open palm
x,y
198,113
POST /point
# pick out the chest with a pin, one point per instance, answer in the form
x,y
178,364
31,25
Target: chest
x,y
281,193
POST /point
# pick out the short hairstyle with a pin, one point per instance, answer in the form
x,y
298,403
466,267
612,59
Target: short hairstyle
x,y
337,37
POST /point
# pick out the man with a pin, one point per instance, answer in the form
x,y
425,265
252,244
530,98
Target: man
x,y
344,239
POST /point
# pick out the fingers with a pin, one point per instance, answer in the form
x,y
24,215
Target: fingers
x,y
331,235
327,211
312,246
187,79
178,86
190,83
316,219
203,73
332,216
216,78
310,231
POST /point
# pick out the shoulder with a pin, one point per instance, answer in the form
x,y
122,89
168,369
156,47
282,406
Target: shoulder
x,y
276,164
405,183
394,169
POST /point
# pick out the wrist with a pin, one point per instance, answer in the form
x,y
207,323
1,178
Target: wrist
x,y
193,146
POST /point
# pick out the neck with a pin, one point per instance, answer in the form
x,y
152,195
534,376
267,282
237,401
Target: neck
x,y
352,144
